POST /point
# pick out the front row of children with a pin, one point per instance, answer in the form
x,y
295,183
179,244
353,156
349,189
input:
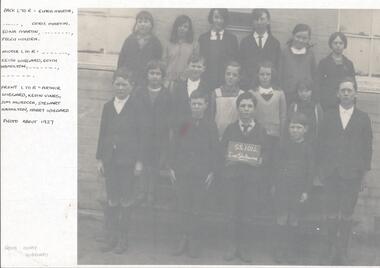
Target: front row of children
x,y
145,130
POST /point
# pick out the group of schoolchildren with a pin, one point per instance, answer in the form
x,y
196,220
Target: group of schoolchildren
x,y
182,110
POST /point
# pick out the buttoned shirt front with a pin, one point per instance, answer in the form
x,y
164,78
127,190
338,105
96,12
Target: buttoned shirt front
x,y
345,115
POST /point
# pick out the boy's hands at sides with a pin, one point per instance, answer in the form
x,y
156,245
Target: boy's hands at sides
x,y
138,169
100,167
209,180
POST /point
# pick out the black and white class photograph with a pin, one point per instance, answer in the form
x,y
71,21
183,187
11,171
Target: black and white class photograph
x,y
228,136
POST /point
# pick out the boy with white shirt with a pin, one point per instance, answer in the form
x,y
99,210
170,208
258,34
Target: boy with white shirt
x,y
257,47
182,89
119,157
344,159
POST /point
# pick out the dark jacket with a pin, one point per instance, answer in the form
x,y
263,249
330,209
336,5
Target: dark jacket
x,y
181,100
250,55
136,59
217,53
195,148
157,122
349,150
329,76
256,136
120,134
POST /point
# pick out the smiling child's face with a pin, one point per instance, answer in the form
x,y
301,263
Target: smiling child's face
x,y
217,21
122,87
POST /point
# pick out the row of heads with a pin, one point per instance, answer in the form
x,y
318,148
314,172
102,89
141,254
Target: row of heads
x,y
219,18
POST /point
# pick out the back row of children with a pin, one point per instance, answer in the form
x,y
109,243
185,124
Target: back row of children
x,y
295,62
244,136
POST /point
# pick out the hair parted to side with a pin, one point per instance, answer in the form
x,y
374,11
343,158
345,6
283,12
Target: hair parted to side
x,y
341,35
199,94
124,73
246,96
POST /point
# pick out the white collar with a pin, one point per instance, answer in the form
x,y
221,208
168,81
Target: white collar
x,y
213,34
251,124
346,111
266,90
264,35
119,101
298,51
192,86
154,89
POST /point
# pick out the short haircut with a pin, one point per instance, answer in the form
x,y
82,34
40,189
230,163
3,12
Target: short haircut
x,y
301,28
199,94
179,21
155,64
305,83
144,15
341,35
196,57
258,12
298,118
233,64
223,12
124,73
274,74
246,96
348,79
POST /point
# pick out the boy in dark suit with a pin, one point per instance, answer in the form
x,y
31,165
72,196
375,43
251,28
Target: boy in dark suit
x,y
344,158
258,46
194,157
183,88
245,144
119,157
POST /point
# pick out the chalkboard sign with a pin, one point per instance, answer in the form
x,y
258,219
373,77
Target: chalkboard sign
x,y
244,153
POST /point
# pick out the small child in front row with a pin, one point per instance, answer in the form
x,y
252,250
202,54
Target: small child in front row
x,y
305,104
294,165
119,158
194,157
271,114
223,99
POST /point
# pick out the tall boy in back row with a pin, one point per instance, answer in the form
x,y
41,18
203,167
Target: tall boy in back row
x,y
344,159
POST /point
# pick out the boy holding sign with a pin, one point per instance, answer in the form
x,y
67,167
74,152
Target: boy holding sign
x,y
245,146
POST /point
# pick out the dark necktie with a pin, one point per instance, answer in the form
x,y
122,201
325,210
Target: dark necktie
x,y
218,36
245,129
267,96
